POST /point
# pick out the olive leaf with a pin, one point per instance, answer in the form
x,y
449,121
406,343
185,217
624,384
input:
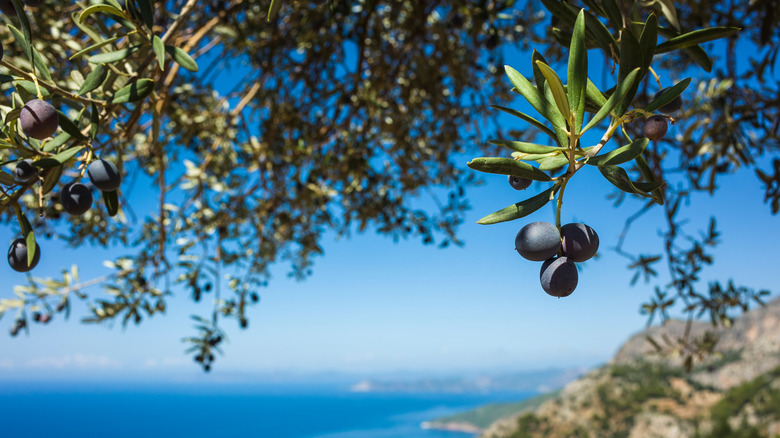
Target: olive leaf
x,y
528,148
577,72
520,209
507,166
556,88
94,79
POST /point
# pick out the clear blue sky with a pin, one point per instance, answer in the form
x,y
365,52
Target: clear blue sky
x,y
375,306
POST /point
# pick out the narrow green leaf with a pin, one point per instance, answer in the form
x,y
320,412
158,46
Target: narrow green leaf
x,y
538,102
109,57
274,9
147,12
595,98
617,96
618,177
94,79
695,52
577,78
100,8
31,245
520,209
59,159
539,125
69,126
669,11
529,157
630,59
25,25
694,38
561,11
507,166
20,38
620,155
648,187
556,87
182,58
551,163
668,95
29,87
56,142
539,78
67,154
159,51
12,115
648,175
613,13
93,47
94,121
111,199
133,92
50,179
5,78
41,68
648,41
601,34
528,148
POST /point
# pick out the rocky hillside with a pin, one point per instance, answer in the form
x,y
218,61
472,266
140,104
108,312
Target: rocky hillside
x,y
734,393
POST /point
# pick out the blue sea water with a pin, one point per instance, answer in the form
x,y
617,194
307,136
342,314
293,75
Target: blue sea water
x,y
261,411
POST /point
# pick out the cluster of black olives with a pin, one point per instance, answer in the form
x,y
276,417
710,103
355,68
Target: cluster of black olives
x,y
559,250
76,199
656,126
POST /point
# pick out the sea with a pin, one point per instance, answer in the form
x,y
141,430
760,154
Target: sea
x,y
100,410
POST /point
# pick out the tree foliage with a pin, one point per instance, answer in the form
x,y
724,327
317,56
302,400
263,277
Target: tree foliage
x,y
261,126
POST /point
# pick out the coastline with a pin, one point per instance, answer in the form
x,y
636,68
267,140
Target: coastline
x,y
451,426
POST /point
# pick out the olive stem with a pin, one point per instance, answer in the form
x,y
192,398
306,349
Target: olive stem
x,y
35,81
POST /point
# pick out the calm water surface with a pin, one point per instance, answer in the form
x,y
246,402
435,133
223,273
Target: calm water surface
x,y
272,411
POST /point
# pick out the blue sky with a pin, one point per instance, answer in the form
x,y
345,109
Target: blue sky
x,y
375,306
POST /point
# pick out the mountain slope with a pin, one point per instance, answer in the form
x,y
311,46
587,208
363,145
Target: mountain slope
x,y
736,393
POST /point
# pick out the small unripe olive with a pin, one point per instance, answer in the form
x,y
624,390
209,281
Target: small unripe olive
x,y
538,241
670,107
559,277
519,183
17,256
579,242
38,119
76,198
655,127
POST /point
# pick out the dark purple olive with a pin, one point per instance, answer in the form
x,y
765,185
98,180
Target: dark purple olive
x,y
25,171
559,277
104,175
538,241
76,198
655,127
17,256
580,242
519,183
39,119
